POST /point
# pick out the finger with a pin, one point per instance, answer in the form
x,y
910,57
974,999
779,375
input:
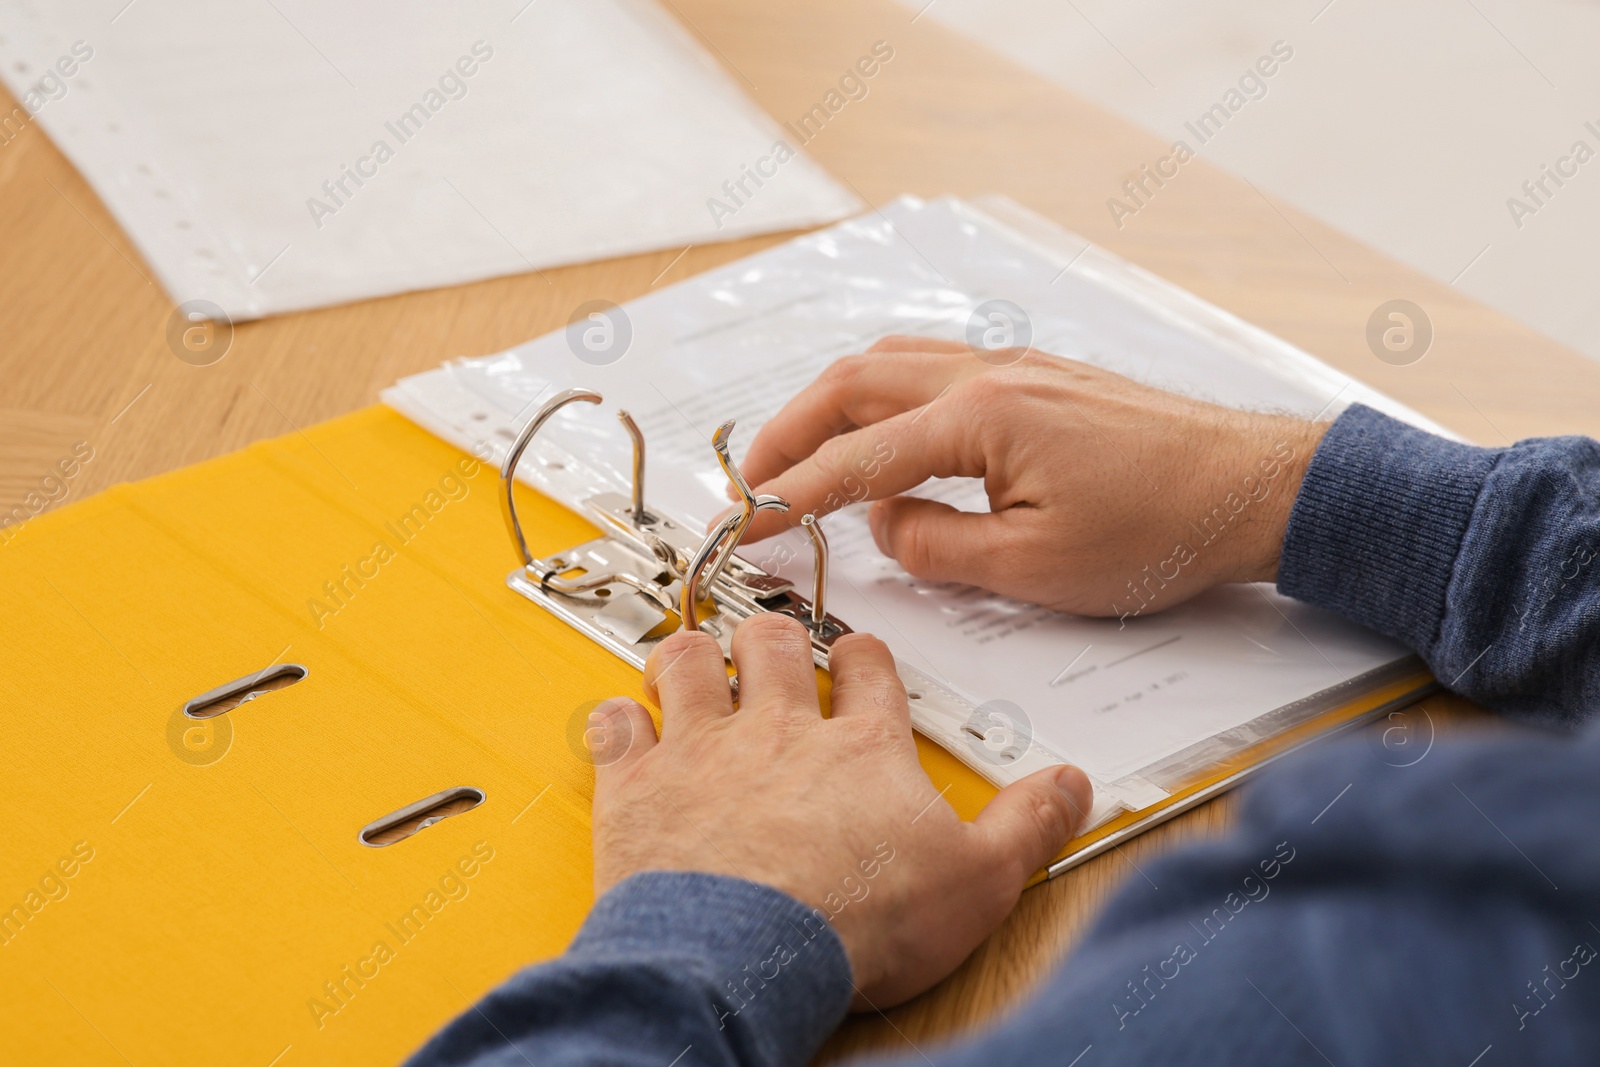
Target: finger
x,y
618,734
865,682
687,677
899,342
777,674
853,391
938,543
896,455
1028,822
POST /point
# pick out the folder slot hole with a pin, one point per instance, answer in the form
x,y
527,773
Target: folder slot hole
x,y
414,818
225,698
914,694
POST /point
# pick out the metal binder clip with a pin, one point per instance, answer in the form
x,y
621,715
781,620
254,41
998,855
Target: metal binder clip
x,y
596,587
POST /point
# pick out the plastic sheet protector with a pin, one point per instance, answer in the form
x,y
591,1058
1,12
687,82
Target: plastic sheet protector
x,y
1141,703
271,157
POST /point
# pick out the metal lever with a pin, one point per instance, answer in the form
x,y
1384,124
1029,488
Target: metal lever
x,y
819,571
639,514
749,502
721,542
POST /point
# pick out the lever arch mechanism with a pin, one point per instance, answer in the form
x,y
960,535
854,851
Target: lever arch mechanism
x,y
648,574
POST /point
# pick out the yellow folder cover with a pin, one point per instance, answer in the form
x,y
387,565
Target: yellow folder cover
x,y
178,892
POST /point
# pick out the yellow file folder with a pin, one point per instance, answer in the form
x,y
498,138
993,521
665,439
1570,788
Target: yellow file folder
x,y
178,891
185,891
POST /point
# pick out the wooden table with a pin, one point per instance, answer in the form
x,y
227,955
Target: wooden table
x,y
84,355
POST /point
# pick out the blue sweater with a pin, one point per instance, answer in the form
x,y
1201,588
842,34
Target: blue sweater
x,y
1367,909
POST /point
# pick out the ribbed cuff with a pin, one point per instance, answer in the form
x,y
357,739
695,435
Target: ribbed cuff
x,y
777,975
1379,521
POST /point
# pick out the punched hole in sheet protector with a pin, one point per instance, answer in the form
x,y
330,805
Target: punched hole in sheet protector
x,y
414,818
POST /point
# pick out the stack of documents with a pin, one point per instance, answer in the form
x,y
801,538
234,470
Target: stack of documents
x,y
1141,703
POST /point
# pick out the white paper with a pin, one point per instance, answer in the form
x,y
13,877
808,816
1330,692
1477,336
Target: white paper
x,y
586,129
738,341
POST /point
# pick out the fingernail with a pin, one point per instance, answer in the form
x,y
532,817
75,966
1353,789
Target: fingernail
x,y
606,710
610,732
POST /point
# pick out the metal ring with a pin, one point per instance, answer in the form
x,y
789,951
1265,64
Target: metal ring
x,y
550,579
726,537
689,599
508,469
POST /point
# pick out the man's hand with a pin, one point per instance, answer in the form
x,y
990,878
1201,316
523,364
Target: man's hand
x,y
1103,493
835,812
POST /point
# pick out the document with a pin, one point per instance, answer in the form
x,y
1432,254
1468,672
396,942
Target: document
x,y
1133,700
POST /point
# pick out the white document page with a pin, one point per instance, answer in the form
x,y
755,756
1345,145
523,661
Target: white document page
x,y
1114,697
275,156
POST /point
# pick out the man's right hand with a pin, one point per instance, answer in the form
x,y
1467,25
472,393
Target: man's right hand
x,y
1091,477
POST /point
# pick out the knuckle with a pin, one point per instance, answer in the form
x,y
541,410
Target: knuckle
x,y
858,677
1034,360
913,544
776,739
983,391
1050,820
873,734
993,540
860,643
862,660
1017,379
1001,386
843,372
687,642
833,456
830,452
776,629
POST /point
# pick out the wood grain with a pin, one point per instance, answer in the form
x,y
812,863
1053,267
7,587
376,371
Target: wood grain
x,y
85,357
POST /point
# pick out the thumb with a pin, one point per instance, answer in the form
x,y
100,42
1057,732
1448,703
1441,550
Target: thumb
x,y
618,734
935,541
1028,822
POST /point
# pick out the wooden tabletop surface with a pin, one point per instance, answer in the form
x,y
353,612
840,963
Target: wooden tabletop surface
x,y
83,354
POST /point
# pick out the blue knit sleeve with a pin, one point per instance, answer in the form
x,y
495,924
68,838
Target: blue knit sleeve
x,y
1484,561
669,968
